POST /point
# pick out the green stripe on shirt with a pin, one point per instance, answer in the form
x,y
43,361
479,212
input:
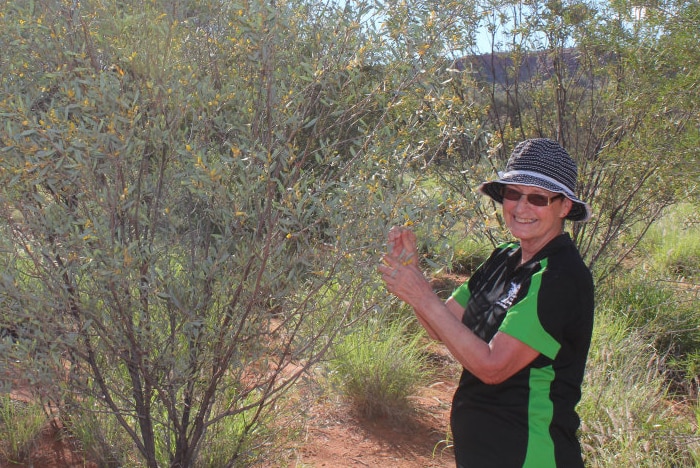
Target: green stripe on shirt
x,y
522,322
540,446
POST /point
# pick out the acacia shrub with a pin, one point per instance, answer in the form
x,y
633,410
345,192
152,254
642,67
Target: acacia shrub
x,y
174,216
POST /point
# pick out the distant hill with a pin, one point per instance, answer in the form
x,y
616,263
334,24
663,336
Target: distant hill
x,y
493,68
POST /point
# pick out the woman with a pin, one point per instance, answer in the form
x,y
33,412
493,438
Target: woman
x,y
521,326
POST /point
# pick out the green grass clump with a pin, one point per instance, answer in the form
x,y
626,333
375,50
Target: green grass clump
x,y
378,365
664,314
221,445
627,417
101,438
242,439
672,245
20,427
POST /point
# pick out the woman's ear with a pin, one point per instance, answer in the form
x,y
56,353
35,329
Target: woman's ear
x,y
566,206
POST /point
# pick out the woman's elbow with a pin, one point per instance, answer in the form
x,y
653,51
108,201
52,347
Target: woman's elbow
x,y
493,374
493,379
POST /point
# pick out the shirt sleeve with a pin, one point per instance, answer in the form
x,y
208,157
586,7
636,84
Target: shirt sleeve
x,y
462,294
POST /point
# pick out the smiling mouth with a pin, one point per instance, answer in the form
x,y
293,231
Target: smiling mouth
x,y
524,220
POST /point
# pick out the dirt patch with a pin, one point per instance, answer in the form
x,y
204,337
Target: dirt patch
x,y
336,437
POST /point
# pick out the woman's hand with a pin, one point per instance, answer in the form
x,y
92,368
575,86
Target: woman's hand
x,y
399,269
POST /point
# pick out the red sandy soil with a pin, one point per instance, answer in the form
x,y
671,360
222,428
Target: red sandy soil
x,y
335,438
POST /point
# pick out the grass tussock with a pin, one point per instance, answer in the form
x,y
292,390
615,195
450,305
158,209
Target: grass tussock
x,y
627,416
469,254
672,245
378,365
20,428
100,438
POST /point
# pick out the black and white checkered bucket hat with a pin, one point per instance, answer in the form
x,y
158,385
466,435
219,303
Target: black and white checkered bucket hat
x,y
541,162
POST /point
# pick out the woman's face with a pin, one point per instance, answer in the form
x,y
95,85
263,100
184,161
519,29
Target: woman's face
x,y
535,225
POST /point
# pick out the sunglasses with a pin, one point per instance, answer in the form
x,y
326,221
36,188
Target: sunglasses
x,y
532,198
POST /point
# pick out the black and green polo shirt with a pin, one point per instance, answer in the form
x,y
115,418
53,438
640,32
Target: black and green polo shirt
x,y
529,420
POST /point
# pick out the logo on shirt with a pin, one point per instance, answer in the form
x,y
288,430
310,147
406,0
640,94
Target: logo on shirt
x,y
507,301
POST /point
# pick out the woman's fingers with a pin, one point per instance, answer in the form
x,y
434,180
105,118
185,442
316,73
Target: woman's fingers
x,y
401,244
390,268
387,266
